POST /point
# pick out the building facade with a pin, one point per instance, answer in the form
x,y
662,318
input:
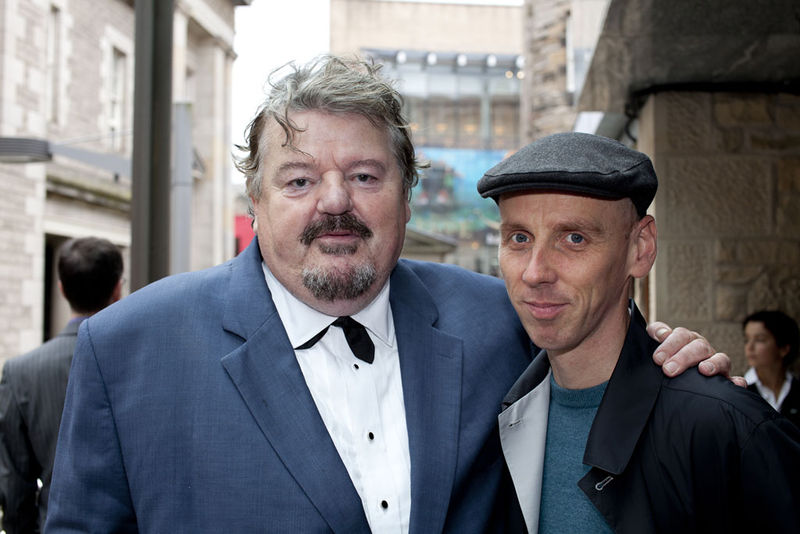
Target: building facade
x,y
560,37
66,76
459,69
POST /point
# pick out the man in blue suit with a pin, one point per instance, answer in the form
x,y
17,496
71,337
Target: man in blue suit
x,y
315,383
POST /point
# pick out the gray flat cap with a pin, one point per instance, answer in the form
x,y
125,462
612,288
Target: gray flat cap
x,y
578,163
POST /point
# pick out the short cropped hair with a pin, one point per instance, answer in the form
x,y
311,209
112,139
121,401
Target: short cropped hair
x,y
782,327
89,269
335,85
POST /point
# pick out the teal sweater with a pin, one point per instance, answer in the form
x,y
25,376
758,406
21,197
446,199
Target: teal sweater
x,y
564,507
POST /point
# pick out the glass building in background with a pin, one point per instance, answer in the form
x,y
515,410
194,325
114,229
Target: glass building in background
x,y
464,114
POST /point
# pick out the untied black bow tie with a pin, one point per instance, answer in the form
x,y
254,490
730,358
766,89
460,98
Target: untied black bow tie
x,y
355,334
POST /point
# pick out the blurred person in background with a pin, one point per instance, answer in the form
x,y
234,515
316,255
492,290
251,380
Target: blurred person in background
x,y
771,347
33,386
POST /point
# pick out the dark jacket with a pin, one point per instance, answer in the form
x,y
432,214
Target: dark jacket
x,y
684,454
32,394
790,407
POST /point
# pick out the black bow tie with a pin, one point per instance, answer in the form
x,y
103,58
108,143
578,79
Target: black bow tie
x,y
355,334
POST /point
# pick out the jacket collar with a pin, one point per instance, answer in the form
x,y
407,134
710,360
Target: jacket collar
x,y
629,398
528,380
248,303
71,328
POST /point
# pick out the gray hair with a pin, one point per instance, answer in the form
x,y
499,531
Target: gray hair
x,y
335,85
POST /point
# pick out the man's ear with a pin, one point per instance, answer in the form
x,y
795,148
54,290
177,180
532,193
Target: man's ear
x,y
117,293
253,204
644,246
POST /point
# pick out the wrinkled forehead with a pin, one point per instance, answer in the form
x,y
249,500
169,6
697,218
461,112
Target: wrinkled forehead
x,y
545,212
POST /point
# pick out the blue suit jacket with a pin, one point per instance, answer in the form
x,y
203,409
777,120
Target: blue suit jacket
x,y
187,411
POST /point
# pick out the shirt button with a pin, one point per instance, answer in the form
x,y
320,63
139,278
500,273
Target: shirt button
x,y
371,436
355,365
384,505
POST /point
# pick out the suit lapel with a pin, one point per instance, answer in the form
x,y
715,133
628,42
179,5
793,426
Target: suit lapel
x,y
430,365
268,377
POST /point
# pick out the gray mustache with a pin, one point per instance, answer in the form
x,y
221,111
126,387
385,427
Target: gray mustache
x,y
335,223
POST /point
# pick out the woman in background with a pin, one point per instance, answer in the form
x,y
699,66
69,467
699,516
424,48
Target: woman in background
x,y
771,347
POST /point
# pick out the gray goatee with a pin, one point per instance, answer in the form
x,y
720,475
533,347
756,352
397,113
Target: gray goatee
x,y
334,284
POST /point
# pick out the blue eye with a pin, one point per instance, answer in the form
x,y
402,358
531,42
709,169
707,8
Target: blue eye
x,y
575,239
519,238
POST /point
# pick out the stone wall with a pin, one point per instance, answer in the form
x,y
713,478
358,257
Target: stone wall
x,y
727,210
21,258
426,26
22,188
546,105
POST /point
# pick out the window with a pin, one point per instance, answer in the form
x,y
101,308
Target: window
x,y
119,69
53,65
584,23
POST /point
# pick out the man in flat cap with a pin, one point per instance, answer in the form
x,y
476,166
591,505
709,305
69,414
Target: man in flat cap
x,y
596,438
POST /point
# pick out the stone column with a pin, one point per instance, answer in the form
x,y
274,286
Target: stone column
x,y
212,243
22,96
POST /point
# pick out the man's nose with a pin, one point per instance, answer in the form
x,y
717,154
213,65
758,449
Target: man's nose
x,y
540,266
334,195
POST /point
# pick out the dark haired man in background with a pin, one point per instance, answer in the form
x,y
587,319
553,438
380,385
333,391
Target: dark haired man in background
x,y
33,386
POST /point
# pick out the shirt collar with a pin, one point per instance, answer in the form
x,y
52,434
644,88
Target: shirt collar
x,y
77,320
302,322
750,376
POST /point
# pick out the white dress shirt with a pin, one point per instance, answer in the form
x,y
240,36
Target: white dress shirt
x,y
361,404
751,377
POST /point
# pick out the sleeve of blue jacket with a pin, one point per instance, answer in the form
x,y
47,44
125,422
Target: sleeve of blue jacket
x,y
89,471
